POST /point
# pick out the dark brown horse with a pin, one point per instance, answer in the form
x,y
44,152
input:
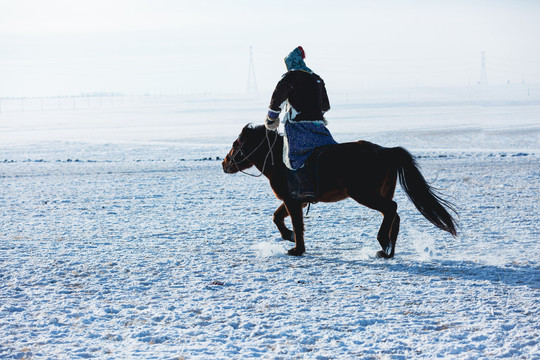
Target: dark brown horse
x,y
361,170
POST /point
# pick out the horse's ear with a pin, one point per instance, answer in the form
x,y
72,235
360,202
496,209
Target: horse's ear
x,y
247,129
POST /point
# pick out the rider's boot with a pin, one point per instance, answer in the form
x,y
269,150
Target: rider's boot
x,y
304,188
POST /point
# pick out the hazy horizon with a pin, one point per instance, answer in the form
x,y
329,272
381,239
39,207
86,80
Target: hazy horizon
x,y
71,47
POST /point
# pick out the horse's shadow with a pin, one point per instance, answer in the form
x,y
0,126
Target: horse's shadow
x,y
516,275
510,275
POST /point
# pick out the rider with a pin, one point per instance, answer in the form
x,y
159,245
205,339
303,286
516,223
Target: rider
x,y
305,126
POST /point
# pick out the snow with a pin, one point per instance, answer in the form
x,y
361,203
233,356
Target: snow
x,y
121,237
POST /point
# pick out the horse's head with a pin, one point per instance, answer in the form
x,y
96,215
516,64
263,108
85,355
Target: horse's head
x,y
237,158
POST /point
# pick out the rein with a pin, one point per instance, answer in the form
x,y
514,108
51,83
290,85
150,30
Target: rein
x,y
269,154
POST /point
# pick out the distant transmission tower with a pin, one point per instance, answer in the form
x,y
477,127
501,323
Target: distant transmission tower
x,y
252,82
483,73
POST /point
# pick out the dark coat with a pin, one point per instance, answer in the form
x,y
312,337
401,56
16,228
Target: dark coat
x,y
306,94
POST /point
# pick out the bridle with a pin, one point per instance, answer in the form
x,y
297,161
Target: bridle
x,y
246,157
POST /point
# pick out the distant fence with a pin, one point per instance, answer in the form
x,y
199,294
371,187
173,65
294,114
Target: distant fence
x,y
497,94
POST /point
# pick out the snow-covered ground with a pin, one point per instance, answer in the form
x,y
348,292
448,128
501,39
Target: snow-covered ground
x,y
121,237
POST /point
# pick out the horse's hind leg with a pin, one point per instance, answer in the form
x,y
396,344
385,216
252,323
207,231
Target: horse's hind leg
x,y
387,191
389,229
386,234
279,216
393,235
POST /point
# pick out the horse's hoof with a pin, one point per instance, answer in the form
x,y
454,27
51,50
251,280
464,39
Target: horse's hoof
x,y
382,255
295,252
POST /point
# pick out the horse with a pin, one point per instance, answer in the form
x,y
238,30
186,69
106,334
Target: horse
x,y
363,171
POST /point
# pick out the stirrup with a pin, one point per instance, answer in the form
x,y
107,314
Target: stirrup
x,y
305,195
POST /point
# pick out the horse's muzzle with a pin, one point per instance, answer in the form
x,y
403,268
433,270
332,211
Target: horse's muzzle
x,y
227,168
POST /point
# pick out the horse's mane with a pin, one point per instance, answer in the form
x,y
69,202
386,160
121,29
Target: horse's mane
x,y
259,132
256,129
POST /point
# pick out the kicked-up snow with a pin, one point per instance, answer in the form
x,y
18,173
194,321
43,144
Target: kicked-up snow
x,y
121,237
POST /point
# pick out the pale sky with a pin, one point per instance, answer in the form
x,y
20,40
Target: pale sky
x,y
68,47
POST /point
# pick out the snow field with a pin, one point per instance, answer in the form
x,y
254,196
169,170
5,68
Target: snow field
x,y
145,249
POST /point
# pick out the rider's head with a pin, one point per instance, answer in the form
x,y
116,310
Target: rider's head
x,y
295,60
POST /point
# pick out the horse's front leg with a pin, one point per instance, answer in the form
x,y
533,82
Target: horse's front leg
x,y
294,208
279,219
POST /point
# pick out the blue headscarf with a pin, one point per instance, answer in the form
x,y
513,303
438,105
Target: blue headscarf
x,y
295,60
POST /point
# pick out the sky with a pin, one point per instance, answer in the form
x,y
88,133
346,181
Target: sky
x,y
72,47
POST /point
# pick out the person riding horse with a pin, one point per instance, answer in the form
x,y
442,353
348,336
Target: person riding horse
x,y
361,170
305,127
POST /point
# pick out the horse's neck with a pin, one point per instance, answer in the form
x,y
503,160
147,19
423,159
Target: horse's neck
x,y
271,154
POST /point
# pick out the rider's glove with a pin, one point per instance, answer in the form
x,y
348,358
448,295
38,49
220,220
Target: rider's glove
x,y
272,120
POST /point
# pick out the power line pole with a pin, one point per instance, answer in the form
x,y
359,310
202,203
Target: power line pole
x,y
252,82
483,72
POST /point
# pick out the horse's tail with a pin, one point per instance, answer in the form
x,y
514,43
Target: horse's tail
x,y
426,199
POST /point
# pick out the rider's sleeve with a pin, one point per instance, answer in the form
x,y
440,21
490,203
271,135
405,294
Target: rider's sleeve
x,y
280,94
